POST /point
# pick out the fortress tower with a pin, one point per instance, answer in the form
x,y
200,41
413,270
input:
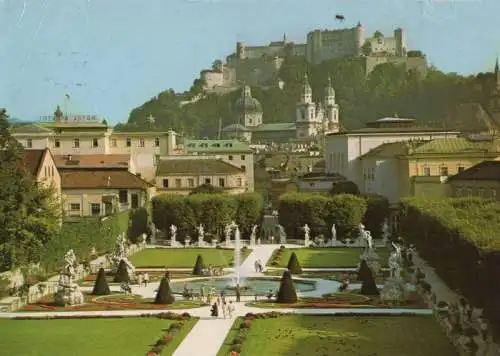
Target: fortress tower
x,y
400,39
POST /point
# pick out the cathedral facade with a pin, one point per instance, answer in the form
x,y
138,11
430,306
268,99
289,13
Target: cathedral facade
x,y
312,119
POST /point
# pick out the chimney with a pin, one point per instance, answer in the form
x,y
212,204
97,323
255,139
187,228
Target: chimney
x,y
69,157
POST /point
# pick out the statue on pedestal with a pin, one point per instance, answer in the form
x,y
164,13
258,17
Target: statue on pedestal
x,y
307,231
201,235
385,231
395,288
68,292
173,236
120,254
253,235
334,235
369,255
282,234
153,229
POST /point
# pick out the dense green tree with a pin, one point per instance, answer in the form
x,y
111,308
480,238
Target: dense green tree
x,y
206,188
101,286
198,266
294,265
122,273
164,294
29,213
287,292
139,219
249,211
376,212
344,187
368,285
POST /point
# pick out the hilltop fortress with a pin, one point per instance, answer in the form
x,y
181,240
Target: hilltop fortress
x,y
259,65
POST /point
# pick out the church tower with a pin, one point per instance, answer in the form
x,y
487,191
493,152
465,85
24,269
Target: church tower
x,y
331,119
306,112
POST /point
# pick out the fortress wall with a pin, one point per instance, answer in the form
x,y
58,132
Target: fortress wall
x,y
212,79
418,63
254,71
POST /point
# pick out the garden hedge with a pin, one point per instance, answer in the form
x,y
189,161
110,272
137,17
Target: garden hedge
x,y
320,211
213,210
294,265
122,273
287,292
83,234
164,294
101,286
377,211
459,238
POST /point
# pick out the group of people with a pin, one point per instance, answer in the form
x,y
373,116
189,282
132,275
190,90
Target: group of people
x,y
143,279
225,308
258,266
214,270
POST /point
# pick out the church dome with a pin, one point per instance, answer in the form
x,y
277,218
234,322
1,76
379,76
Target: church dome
x,y
247,104
329,91
306,88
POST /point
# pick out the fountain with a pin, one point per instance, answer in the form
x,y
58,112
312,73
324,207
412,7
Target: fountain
x,y
237,258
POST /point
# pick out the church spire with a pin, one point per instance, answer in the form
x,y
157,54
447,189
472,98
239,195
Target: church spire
x,y
284,37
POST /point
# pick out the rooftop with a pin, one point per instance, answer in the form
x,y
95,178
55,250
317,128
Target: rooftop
x,y
235,128
391,149
101,179
92,161
216,146
486,170
459,145
282,126
393,130
32,160
29,129
195,167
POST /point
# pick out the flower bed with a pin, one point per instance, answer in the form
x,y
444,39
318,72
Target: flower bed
x,y
110,302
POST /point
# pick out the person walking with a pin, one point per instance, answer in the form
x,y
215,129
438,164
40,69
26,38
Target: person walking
x,y
146,279
214,311
238,293
224,309
230,309
256,265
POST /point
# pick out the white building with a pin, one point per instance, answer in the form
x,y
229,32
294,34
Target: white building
x,y
343,149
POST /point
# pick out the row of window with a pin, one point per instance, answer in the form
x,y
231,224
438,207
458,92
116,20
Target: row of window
x,y
49,171
336,161
190,182
95,143
205,145
478,192
443,171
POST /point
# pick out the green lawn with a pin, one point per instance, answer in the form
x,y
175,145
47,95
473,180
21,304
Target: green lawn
x,y
83,337
183,257
301,335
336,257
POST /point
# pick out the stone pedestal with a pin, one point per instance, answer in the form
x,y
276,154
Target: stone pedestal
x,y
68,293
252,241
187,242
258,241
214,243
394,290
228,242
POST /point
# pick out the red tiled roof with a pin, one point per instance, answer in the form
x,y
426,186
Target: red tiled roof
x,y
486,170
33,159
92,161
101,179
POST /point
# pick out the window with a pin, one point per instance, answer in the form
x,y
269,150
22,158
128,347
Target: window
x,y
57,143
191,183
230,157
244,168
239,182
134,200
76,143
141,142
178,183
114,143
74,207
29,143
427,171
460,169
123,196
459,192
207,181
128,142
480,192
165,183
469,192
493,193
52,170
95,142
221,182
228,145
443,171
157,142
95,209
242,157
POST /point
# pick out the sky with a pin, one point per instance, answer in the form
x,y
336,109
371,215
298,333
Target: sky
x,y
113,55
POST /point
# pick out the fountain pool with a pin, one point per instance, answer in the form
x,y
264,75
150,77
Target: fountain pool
x,y
253,286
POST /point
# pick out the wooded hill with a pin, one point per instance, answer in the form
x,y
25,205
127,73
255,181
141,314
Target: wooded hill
x,y
439,99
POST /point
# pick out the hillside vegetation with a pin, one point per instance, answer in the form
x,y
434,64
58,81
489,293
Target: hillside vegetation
x,y
387,90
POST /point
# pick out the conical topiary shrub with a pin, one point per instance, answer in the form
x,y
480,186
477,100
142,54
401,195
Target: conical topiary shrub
x,y
164,294
122,273
287,293
368,285
198,266
294,265
101,286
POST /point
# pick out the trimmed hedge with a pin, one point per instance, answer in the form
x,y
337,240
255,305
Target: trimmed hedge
x,y
376,212
368,285
287,293
320,211
294,265
82,235
101,286
198,266
122,273
213,210
164,294
459,238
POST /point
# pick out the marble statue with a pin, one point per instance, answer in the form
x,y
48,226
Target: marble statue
x,y
307,231
334,233
282,234
369,255
120,254
395,289
201,236
153,229
68,292
369,239
385,231
173,236
253,235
